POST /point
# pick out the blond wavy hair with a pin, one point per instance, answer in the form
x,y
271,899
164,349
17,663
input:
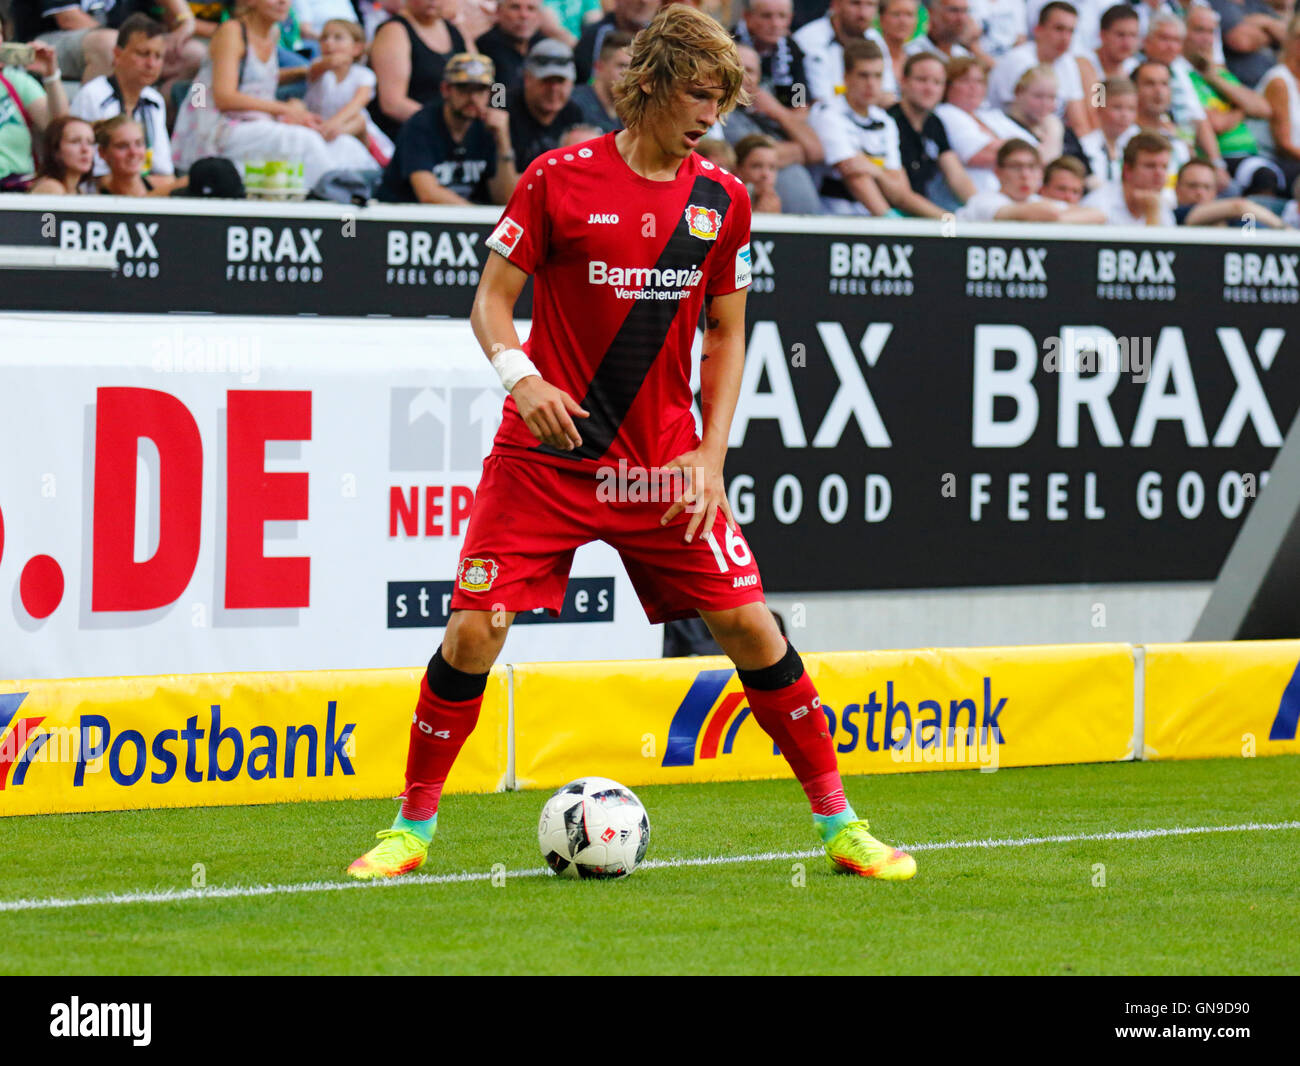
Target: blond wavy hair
x,y
680,47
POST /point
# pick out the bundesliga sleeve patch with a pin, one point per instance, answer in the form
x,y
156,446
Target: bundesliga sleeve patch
x,y
742,266
476,575
505,236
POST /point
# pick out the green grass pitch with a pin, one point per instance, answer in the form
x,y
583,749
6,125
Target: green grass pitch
x,y
1210,903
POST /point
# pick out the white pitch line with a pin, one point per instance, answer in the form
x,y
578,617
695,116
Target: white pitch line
x,y
249,891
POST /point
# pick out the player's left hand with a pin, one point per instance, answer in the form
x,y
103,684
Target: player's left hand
x,y
703,494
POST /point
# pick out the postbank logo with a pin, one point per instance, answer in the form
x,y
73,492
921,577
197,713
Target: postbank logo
x,y
19,740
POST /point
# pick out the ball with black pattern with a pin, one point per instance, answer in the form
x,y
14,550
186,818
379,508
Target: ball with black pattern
x,y
593,828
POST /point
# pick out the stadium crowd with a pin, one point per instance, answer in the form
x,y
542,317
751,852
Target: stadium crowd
x,y
1144,113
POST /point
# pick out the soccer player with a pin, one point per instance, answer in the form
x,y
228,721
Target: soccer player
x,y
606,377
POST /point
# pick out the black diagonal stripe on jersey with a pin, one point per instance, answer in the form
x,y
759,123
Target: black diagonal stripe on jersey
x,y
628,360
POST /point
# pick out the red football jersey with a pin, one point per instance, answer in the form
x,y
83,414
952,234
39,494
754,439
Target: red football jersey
x,y
620,266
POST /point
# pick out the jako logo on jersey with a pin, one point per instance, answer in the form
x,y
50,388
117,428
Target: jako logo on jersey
x,y
602,220
17,745
703,222
505,236
744,581
476,575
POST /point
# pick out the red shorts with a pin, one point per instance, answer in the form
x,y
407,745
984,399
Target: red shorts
x,y
529,518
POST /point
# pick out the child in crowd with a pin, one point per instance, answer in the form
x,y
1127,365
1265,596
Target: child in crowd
x,y
340,95
718,152
756,166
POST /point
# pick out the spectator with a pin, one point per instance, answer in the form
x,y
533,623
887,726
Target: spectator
x,y
822,42
1197,188
543,108
797,146
183,49
596,101
137,65
1087,27
408,54
756,166
627,16
25,110
68,158
566,19
1281,88
1050,47
1102,149
1251,33
1119,37
951,33
1136,199
581,134
766,29
81,32
863,171
931,166
204,18
1146,10
344,88
1020,175
121,145
456,151
1153,96
974,132
718,152
1033,112
1227,105
236,113
1064,180
1164,44
898,20
1002,24
517,29
312,15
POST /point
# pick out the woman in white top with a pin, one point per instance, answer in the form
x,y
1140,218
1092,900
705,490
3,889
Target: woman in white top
x,y
238,115
1033,112
1281,88
974,131
897,26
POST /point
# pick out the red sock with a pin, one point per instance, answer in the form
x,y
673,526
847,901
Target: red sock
x,y
792,716
438,732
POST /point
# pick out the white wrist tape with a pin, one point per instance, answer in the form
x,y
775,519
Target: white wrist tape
x,y
513,366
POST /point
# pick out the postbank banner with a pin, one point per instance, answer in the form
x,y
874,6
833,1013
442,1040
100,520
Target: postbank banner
x,y
889,712
1235,698
102,744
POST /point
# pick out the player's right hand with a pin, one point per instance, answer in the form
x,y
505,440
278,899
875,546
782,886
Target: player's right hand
x,y
546,412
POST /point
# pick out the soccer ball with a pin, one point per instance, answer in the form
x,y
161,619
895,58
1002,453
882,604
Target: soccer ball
x,y
593,828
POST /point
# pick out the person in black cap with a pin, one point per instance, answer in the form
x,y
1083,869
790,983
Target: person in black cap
x,y
543,109
214,178
455,151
